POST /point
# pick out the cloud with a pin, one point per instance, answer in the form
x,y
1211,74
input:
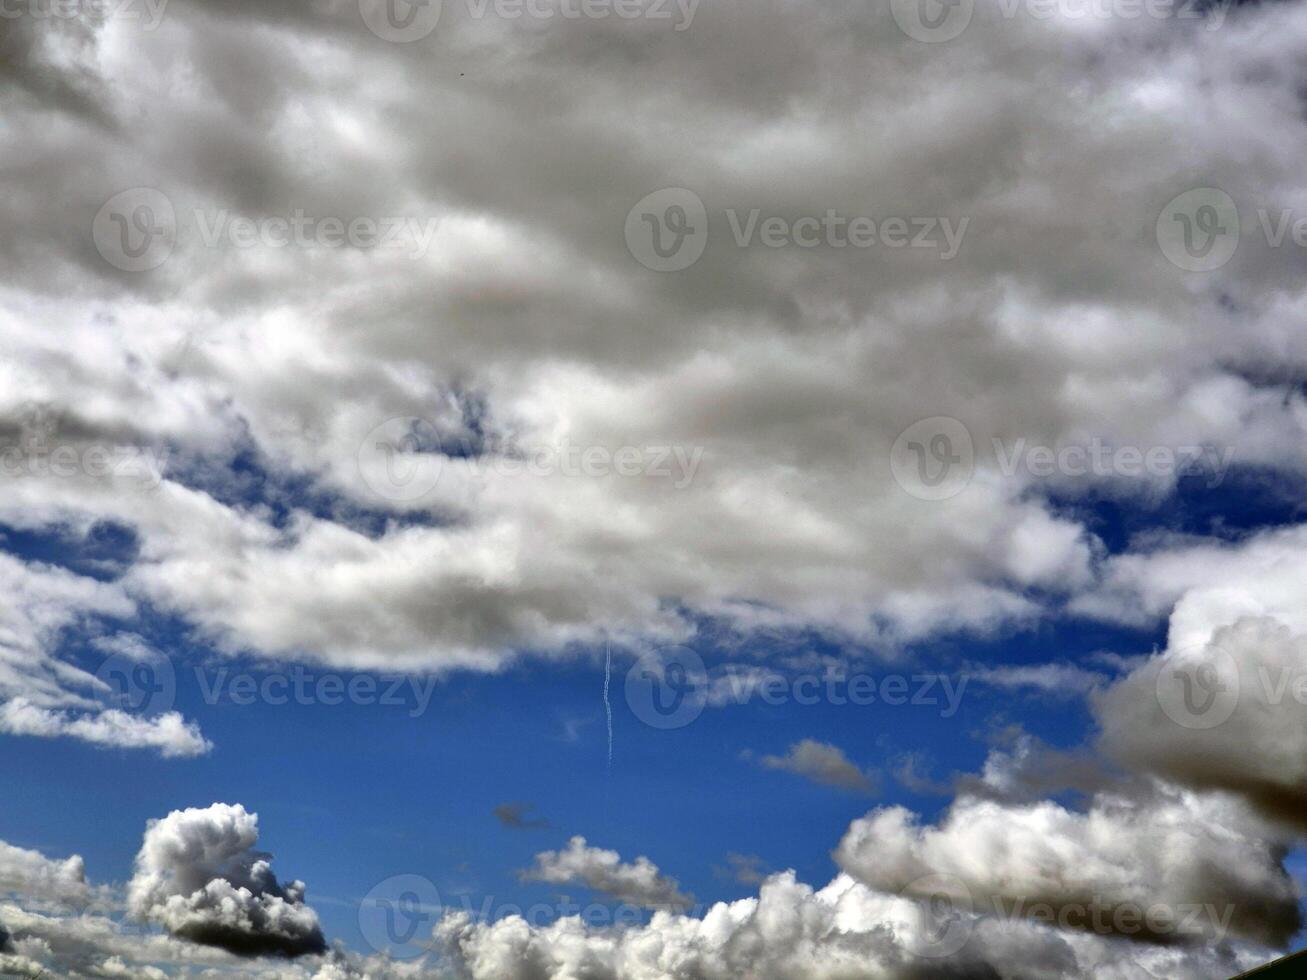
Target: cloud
x,y
639,883
744,869
1021,769
170,734
790,931
34,876
41,694
54,923
1172,849
821,763
1230,714
513,816
199,876
521,325
1061,680
786,374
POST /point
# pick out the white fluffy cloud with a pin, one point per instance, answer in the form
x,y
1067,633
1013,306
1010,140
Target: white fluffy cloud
x,y
169,733
43,695
1173,850
198,874
791,932
638,883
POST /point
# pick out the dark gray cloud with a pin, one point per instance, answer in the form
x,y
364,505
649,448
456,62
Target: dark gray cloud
x,y
822,763
514,816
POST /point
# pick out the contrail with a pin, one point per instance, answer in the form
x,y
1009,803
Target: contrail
x,y
608,708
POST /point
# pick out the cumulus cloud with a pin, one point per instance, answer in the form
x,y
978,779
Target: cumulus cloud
x,y
822,763
1230,714
867,923
1175,850
34,876
198,874
637,883
792,932
54,923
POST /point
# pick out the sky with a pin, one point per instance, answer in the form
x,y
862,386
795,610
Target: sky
x,y
652,489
